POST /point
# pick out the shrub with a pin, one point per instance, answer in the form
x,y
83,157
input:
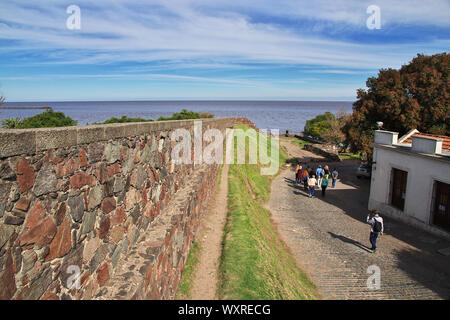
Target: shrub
x,y
183,115
206,115
124,119
46,119
10,123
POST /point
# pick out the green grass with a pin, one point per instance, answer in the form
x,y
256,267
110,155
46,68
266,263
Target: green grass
x,y
187,279
298,141
350,156
255,263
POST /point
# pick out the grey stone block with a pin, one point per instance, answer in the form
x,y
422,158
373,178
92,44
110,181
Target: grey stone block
x,y
14,142
88,134
145,128
113,131
6,232
52,138
130,129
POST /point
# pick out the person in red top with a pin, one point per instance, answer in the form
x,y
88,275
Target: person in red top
x,y
305,179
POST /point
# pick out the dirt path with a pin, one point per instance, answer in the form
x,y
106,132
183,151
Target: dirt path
x,y
297,152
209,238
329,239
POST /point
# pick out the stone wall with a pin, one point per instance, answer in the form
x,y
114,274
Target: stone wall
x,y
93,198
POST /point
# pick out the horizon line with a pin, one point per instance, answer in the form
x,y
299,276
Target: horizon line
x,y
186,100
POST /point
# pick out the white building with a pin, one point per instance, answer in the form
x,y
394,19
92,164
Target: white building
x,y
411,179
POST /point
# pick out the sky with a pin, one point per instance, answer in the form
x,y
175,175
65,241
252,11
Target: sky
x,y
209,49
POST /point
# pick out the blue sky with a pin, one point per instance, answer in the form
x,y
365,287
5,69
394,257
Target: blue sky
x,y
209,49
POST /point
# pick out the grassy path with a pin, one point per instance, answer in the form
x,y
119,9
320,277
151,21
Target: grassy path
x,y
200,276
255,263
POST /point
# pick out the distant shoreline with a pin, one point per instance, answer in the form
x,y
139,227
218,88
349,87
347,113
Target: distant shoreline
x,y
25,108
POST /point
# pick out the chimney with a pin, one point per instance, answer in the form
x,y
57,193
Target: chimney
x,y
386,137
426,145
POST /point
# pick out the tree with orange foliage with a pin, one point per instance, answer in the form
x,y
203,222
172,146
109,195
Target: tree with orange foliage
x,y
414,97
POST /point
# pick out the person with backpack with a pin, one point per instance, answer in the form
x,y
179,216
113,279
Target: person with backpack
x,y
376,227
334,176
324,184
319,175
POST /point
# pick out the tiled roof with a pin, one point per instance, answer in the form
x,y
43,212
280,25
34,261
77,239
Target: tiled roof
x,y
445,142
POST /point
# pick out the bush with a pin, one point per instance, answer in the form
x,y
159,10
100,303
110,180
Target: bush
x,y
46,119
124,119
206,115
10,123
183,115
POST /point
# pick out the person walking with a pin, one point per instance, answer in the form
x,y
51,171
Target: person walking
x,y
298,174
376,227
312,186
305,179
319,174
326,170
334,176
324,184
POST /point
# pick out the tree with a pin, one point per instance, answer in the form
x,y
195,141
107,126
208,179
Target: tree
x,y
318,125
334,134
328,127
414,97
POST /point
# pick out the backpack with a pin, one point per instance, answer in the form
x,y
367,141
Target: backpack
x,y
325,182
376,226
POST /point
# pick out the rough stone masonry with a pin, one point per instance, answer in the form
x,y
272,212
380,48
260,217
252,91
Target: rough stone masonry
x,y
79,202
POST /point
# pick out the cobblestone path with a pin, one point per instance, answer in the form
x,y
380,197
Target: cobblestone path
x,y
330,240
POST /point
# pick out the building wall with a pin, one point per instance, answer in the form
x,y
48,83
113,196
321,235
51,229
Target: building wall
x,y
422,170
85,196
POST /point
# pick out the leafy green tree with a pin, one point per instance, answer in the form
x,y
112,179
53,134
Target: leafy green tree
x,y
328,127
414,97
318,125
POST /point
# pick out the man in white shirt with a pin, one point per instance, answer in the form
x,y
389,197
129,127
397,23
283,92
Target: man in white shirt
x,y
376,227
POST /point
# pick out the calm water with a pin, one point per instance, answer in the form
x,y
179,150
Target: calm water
x,y
282,115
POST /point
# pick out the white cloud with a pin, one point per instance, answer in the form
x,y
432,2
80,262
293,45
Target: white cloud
x,y
184,29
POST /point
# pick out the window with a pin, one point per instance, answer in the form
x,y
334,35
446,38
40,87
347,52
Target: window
x,y
442,206
399,188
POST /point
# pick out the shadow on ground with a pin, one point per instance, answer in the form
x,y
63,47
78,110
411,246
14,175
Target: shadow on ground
x,y
425,265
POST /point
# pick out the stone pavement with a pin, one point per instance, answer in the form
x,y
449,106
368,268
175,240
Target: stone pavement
x,y
330,240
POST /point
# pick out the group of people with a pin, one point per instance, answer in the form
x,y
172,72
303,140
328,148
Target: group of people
x,y
318,178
